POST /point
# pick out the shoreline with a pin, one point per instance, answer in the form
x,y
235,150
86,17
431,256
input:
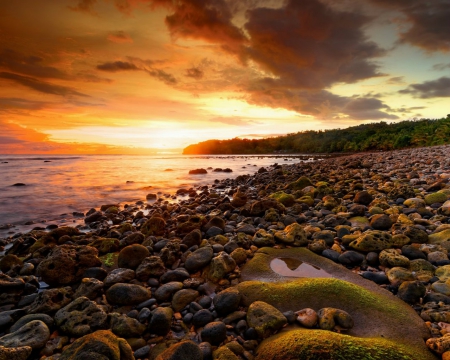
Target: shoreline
x,y
382,215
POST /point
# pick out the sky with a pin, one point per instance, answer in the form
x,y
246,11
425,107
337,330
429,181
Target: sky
x,y
139,76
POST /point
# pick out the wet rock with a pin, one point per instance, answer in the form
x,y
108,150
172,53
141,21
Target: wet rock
x,y
293,235
334,319
220,266
265,318
102,344
214,333
183,298
119,276
67,263
154,226
307,317
127,294
160,321
125,326
186,350
197,171
34,334
151,266
130,257
239,199
51,300
81,317
411,291
199,259
227,301
95,216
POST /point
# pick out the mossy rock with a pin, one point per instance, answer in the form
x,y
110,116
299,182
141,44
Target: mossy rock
x,y
300,184
434,198
154,226
359,222
439,237
109,261
282,197
318,344
308,200
106,245
377,313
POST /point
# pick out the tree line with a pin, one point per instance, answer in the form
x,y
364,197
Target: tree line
x,y
366,137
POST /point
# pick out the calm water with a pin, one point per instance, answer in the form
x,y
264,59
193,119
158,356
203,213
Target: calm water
x,y
57,186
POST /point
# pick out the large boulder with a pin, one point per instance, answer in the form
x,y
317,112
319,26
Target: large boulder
x,y
66,264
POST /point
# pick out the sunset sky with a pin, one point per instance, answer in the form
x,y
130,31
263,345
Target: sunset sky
x,y
131,76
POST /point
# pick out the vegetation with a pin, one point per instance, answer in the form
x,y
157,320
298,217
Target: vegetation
x,y
367,137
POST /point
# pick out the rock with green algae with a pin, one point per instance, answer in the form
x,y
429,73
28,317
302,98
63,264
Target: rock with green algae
x,y
265,318
300,183
374,240
439,237
375,311
318,344
282,197
437,197
293,235
154,226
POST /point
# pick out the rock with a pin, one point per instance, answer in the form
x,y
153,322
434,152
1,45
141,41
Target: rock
x,y
372,241
199,259
377,277
286,199
214,333
224,353
262,238
151,266
46,319
194,238
183,298
437,197
391,258
300,183
101,345
416,235
439,237
106,245
332,319
227,301
265,318
81,317
239,199
215,221
398,275
18,353
34,334
220,266
179,275
246,229
307,317
160,321
363,198
119,276
186,350
258,208
439,345
351,258
142,352
381,222
9,262
125,326
89,288
165,292
67,263
51,300
412,252
127,294
202,317
293,235
197,171
239,255
414,203
411,291
154,226
130,257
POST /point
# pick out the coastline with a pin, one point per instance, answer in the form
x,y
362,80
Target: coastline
x,y
173,257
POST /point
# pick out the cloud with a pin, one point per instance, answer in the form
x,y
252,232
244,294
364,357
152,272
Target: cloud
x,y
429,25
119,37
396,80
7,104
429,89
233,120
40,86
29,65
194,73
116,66
139,65
441,67
367,108
85,6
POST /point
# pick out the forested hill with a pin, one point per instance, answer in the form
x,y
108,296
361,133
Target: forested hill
x,y
375,136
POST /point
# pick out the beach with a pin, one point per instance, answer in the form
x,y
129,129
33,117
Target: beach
x,y
345,257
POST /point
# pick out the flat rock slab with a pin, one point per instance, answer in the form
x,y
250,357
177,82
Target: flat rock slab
x,y
376,312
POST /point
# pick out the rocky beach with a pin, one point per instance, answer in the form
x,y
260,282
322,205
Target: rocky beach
x,y
343,258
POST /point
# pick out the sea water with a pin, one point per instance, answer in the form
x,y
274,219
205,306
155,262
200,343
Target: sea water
x,y
57,186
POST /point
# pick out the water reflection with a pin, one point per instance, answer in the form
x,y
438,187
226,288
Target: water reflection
x,y
295,268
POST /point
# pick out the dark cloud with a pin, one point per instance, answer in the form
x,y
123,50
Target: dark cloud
x,y
119,37
7,104
441,67
429,89
85,6
396,80
29,65
367,108
139,65
194,73
116,66
209,20
429,25
40,86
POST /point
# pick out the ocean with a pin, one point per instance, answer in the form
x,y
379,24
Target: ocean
x,y
57,186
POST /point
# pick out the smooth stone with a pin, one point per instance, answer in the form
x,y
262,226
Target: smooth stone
x,y
160,321
179,274
184,350
199,259
127,294
48,320
34,334
165,291
331,254
182,298
214,333
307,317
377,277
131,256
227,301
351,258
265,318
202,317
331,319
411,291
